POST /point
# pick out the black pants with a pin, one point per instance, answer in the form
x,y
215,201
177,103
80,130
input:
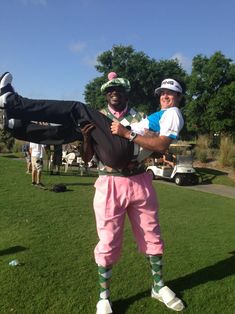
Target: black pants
x,y
112,150
45,134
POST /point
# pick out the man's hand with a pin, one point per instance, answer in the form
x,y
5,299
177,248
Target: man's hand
x,y
87,151
86,130
118,129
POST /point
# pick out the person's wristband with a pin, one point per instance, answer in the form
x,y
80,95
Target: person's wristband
x,y
132,136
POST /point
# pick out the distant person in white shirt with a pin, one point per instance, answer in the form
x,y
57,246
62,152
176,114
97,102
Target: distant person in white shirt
x,y
37,163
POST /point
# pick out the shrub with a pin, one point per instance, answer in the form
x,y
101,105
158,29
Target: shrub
x,y
3,148
233,164
17,147
226,151
202,150
6,140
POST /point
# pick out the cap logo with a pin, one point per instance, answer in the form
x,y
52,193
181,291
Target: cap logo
x,y
173,83
169,84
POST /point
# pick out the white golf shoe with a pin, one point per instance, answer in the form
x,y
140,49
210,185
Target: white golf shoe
x,y
103,307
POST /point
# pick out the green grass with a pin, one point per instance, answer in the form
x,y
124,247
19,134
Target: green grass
x,y
212,176
53,235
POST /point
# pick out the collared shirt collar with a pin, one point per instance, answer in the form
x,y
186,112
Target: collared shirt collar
x,y
118,114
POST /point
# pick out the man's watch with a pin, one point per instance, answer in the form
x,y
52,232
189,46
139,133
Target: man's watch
x,y
132,136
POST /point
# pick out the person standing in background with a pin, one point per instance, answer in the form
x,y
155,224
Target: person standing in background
x,y
48,154
36,151
27,156
56,159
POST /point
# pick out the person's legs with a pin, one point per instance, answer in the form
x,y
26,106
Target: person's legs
x,y
57,158
39,174
34,170
143,215
39,166
28,166
34,176
110,202
155,262
28,162
103,306
109,206
105,274
113,150
145,225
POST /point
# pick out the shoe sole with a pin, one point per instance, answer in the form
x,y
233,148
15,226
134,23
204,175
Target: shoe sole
x,y
5,87
8,80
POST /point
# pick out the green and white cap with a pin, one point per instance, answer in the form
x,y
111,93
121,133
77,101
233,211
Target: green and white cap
x,y
115,81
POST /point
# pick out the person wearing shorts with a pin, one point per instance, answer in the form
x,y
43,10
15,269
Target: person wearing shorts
x,y
36,151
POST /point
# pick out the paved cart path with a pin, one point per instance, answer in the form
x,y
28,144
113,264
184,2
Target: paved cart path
x,y
218,189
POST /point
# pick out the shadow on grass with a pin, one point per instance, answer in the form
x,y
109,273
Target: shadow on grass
x,y
73,173
10,156
79,183
51,188
12,250
208,175
121,306
218,271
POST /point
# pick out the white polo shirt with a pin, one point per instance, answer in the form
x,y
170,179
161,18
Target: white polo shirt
x,y
167,122
36,150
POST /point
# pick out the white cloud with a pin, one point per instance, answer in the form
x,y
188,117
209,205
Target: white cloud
x,y
34,2
77,47
90,61
185,62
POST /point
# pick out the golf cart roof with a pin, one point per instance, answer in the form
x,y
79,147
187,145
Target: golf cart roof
x,y
181,145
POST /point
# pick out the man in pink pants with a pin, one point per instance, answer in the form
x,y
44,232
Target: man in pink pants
x,y
130,192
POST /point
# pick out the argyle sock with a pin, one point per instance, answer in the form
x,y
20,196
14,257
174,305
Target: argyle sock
x,y
156,267
105,274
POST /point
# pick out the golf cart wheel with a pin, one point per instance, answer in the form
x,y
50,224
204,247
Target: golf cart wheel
x,y
179,180
152,176
195,179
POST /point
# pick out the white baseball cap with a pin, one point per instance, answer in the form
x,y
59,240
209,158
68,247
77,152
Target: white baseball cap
x,y
169,84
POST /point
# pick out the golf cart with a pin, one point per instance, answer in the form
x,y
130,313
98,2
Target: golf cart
x,y
182,172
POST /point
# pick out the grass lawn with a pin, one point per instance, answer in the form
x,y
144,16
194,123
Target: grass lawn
x,y
213,176
53,236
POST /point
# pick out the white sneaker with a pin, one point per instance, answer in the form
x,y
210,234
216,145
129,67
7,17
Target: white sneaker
x,y
103,307
168,297
5,90
5,87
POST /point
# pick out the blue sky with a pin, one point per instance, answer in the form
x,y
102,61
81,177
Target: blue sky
x,y
50,46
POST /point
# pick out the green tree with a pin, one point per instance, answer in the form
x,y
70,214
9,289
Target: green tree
x,y
211,95
143,72
6,139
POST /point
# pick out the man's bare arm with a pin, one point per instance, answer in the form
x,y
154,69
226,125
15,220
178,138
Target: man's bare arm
x,y
153,143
